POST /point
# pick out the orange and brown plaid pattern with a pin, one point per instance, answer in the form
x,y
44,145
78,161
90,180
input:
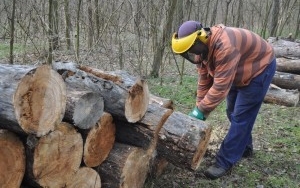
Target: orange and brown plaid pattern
x,y
235,56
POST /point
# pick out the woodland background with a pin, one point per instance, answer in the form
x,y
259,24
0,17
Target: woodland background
x,y
135,35
127,34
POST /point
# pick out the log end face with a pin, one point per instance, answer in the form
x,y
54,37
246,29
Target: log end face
x,y
40,101
12,159
137,101
100,141
88,110
57,156
202,147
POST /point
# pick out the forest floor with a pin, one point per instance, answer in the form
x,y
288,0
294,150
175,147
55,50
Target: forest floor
x,y
276,137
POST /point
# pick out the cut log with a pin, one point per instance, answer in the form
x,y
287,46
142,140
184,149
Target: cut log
x,y
183,140
12,159
145,132
84,108
163,102
54,158
99,141
85,177
286,80
32,100
277,95
126,166
288,65
9,80
284,48
125,100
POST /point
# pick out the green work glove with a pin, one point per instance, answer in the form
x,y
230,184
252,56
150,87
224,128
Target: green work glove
x,y
196,113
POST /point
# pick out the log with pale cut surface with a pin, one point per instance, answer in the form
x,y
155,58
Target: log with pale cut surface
x,y
277,95
98,141
84,108
126,166
53,158
183,140
286,80
32,99
85,177
125,98
12,159
288,65
163,102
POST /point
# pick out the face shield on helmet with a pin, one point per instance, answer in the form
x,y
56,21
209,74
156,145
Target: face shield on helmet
x,y
183,46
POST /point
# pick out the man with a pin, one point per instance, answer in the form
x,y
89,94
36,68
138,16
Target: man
x,y
235,64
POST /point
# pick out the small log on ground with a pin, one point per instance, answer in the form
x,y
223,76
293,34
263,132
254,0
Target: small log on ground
x,y
183,140
286,80
277,95
288,65
120,99
85,177
163,102
12,159
126,166
84,108
144,133
32,99
284,48
98,141
54,158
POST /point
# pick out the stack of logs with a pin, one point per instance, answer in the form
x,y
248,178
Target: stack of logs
x,y
76,126
285,86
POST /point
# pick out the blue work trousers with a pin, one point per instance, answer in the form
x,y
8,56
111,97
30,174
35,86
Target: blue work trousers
x,y
243,104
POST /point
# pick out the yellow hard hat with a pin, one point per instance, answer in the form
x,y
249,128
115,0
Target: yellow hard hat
x,y
181,45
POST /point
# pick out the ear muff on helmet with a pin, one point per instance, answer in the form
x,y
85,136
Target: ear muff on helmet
x,y
181,45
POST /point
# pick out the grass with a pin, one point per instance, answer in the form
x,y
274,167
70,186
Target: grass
x,y
4,49
276,134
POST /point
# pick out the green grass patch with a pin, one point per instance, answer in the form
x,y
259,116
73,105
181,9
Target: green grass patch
x,y
4,49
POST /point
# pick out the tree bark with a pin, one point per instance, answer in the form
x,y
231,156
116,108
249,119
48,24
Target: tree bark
x,y
84,108
54,158
98,141
85,177
126,166
284,48
128,100
288,65
277,95
286,80
32,99
144,133
183,140
12,159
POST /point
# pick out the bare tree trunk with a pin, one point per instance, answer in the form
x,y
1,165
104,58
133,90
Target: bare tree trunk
x,y
297,32
50,33
68,23
12,31
77,30
97,20
274,18
55,25
157,60
90,24
214,13
239,18
226,11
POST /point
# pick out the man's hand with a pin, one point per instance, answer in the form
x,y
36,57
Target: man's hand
x,y
196,113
